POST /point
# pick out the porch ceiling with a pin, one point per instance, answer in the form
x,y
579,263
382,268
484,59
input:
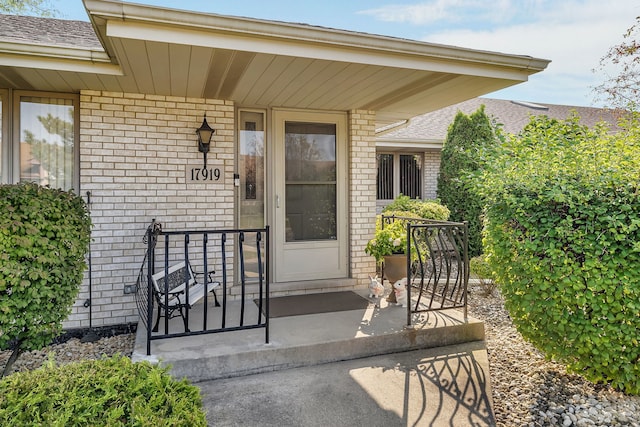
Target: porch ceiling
x,y
263,63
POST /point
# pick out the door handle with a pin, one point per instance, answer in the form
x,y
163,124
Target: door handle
x,y
277,201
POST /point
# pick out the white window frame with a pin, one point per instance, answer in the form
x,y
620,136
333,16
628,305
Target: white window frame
x,y
10,143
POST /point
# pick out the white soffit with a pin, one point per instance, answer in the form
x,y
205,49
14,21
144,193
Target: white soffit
x,y
258,63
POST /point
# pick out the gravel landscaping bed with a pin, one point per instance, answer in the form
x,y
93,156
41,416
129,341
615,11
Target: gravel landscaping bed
x,y
527,389
530,391
70,347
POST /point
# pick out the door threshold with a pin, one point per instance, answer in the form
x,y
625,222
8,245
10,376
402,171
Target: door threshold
x,y
301,287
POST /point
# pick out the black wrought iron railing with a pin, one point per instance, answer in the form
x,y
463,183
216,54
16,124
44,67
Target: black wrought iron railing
x,y
187,273
437,260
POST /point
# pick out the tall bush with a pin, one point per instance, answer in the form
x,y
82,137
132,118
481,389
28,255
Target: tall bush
x,y
563,237
467,138
44,237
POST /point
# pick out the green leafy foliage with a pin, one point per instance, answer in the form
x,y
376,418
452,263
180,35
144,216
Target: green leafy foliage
x,y
428,209
481,270
563,238
44,237
108,392
468,137
392,238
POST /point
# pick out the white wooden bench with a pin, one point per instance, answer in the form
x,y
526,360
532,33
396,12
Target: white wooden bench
x,y
171,291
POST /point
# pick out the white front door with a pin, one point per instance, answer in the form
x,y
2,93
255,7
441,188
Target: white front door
x,y
310,196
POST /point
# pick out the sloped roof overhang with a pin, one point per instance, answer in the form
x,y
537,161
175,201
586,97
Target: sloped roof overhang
x,y
260,63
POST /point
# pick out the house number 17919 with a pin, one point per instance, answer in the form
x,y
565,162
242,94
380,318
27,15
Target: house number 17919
x,y
202,174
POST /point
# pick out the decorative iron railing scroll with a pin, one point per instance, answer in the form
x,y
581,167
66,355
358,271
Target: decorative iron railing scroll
x,y
437,264
440,266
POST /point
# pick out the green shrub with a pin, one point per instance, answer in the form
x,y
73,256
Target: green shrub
x,y
108,392
480,269
467,138
44,237
563,236
429,209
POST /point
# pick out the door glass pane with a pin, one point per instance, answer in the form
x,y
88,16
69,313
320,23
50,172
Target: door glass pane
x,y
310,181
47,141
251,171
385,176
411,175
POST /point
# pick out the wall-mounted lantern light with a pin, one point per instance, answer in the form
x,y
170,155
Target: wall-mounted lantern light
x,y
205,132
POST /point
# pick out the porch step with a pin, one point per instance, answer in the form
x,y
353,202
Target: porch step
x,y
299,287
308,340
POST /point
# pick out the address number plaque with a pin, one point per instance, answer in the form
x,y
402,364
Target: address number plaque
x,y
201,174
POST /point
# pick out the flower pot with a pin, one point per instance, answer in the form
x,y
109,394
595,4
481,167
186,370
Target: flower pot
x,y
395,268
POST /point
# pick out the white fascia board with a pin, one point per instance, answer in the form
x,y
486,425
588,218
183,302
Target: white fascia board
x,y
312,49
57,58
58,63
55,51
414,144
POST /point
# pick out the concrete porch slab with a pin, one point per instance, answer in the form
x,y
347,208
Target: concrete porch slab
x,y
307,340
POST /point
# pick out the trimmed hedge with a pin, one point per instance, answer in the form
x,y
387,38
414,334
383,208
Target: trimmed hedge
x,y
44,237
108,392
563,237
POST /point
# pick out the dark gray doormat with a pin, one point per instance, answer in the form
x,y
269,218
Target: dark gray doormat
x,y
297,305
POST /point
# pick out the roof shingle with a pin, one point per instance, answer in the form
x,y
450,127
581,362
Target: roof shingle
x,y
513,115
48,32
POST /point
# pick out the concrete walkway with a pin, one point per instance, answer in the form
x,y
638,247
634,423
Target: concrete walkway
x,y
445,386
347,368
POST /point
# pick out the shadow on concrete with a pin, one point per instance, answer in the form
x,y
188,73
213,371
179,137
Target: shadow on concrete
x,y
445,386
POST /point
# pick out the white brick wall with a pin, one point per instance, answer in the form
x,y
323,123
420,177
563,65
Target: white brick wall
x,y
134,154
134,151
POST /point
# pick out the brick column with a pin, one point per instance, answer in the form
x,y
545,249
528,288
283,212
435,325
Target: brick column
x,y
362,188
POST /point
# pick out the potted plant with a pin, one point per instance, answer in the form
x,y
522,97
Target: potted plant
x,y
390,239
389,246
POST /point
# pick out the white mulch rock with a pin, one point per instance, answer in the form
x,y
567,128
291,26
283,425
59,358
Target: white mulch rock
x,y
530,391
